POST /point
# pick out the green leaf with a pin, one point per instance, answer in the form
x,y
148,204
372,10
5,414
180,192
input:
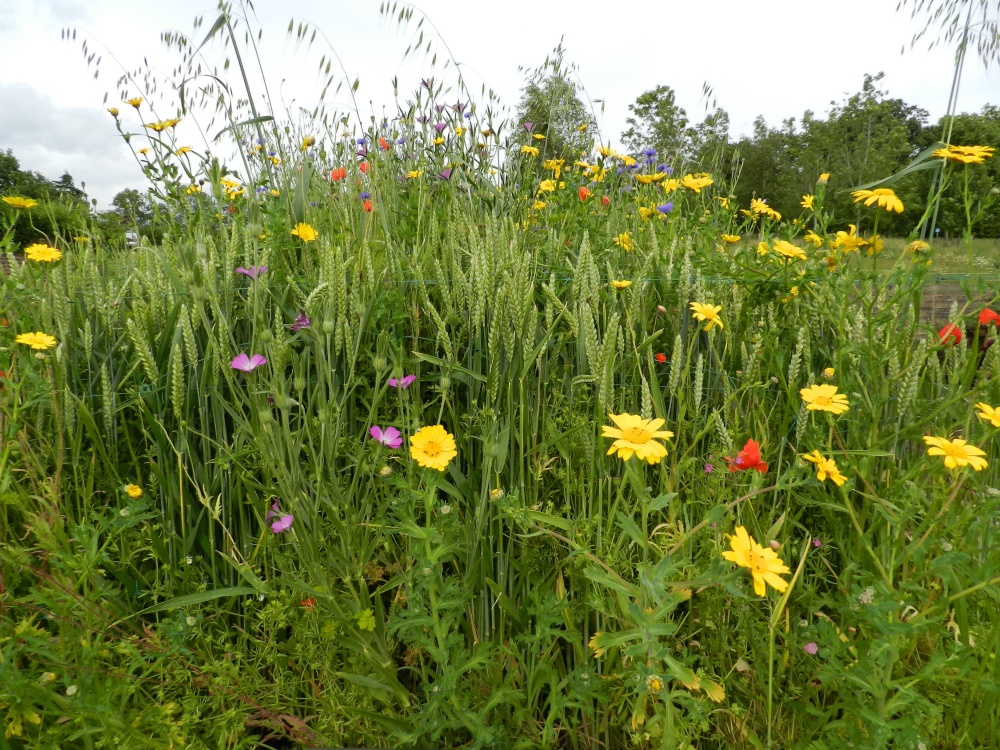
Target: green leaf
x,y
202,596
252,121
547,519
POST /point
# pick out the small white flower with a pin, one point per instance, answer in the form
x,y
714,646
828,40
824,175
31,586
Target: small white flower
x,y
946,545
124,512
445,510
191,621
71,690
189,560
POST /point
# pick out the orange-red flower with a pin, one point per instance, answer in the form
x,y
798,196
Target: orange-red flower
x,y
747,459
338,174
988,317
364,167
950,334
584,192
367,205
660,357
605,201
384,144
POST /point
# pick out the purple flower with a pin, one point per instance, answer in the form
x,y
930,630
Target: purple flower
x,y
427,83
811,648
708,468
362,141
528,125
665,208
401,140
302,321
389,437
364,196
282,522
439,108
403,382
422,119
445,174
664,168
458,106
817,543
467,115
247,364
440,126
253,272
362,152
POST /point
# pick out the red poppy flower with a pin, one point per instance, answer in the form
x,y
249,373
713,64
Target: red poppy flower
x,y
367,205
340,173
364,166
660,357
584,192
950,334
384,144
605,201
748,458
988,317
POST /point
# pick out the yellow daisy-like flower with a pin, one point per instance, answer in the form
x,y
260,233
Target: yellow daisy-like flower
x,y
36,340
192,189
814,238
538,136
824,397
529,150
956,452
763,248
546,186
305,232
965,154
621,284
554,165
826,468
459,131
787,249
433,447
648,179
143,151
414,174
823,178
883,197
696,182
183,150
917,246
135,102
760,207
307,142
539,205
671,185
113,111
624,241
654,683
703,312
723,201
989,413
438,141
18,202
134,491
829,373
42,253
606,151
849,242
730,239
628,161
636,436
807,201
763,562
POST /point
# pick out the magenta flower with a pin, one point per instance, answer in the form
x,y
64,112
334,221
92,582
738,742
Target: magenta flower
x,y
243,363
253,272
708,468
282,522
389,437
403,382
440,126
811,648
302,321
528,125
445,174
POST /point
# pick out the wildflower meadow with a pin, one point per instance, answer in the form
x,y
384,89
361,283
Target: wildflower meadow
x,y
458,430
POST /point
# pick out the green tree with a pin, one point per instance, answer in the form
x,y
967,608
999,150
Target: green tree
x,y
658,122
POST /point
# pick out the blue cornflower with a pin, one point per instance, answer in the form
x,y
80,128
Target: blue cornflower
x,y
664,168
649,152
665,208
364,196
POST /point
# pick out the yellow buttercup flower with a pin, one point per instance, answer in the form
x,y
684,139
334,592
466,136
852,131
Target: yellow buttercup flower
x,y
708,313
826,468
807,201
621,284
763,562
305,232
824,397
36,340
989,413
18,202
433,447
42,253
637,436
624,241
883,197
956,452
787,249
134,491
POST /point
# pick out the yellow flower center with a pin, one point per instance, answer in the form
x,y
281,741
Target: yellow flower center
x,y
756,561
955,451
823,401
636,435
432,449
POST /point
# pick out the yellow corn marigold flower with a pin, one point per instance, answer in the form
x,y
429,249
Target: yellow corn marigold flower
x,y
438,141
648,179
823,178
646,212
989,413
539,205
824,397
628,161
762,248
826,468
42,253
696,182
135,102
183,150
829,373
883,197
433,447
814,238
36,340
788,250
192,189
763,562
730,239
917,246
143,151
546,186
414,174
624,241
18,202
113,111
760,207
965,154
134,491
305,232
671,185
621,284
849,242
538,136
807,201
553,164
606,151
307,142
636,436
956,452
708,313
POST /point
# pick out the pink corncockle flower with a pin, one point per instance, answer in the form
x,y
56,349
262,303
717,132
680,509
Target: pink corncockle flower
x,y
245,363
302,321
708,468
389,437
282,522
817,542
403,382
811,648
253,272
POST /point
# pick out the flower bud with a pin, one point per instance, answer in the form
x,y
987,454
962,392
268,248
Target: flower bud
x,y
774,544
328,326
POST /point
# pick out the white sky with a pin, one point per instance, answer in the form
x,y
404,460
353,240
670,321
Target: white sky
x,y
775,58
